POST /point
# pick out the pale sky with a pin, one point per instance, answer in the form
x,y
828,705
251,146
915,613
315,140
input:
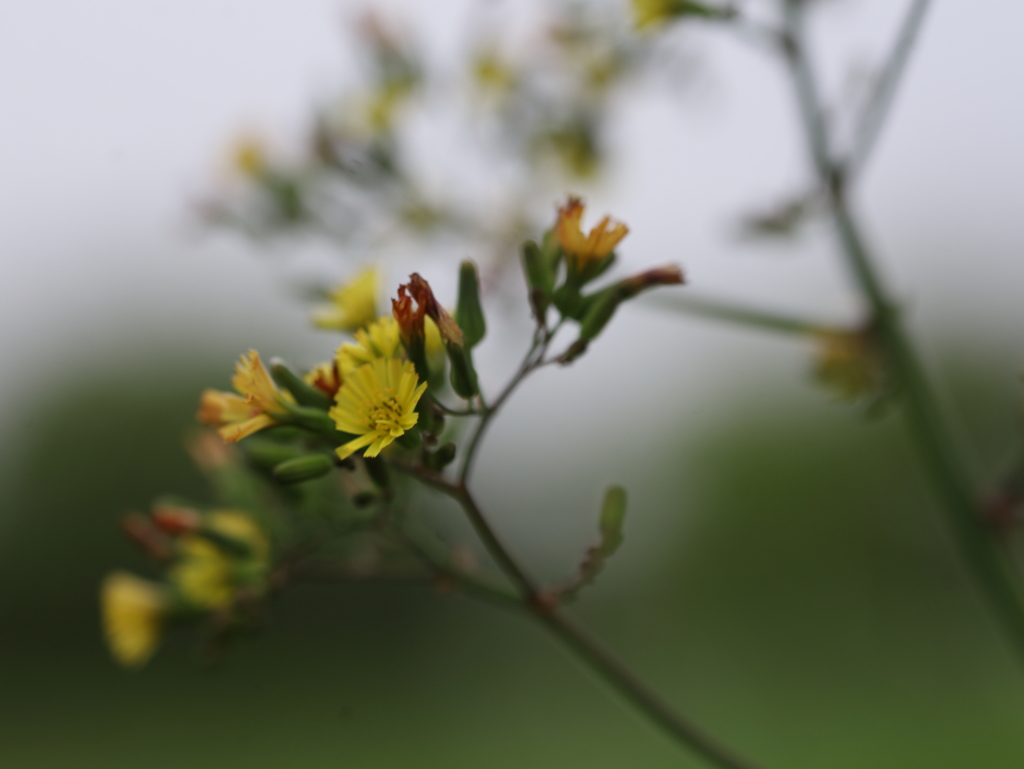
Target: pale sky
x,y
114,115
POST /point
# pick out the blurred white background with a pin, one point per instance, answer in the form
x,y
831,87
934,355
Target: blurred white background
x,y
115,116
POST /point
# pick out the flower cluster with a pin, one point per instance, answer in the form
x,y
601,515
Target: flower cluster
x,y
305,455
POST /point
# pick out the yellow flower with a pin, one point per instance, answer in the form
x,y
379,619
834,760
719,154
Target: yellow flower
x,y
582,249
206,574
133,616
492,73
380,339
237,416
651,13
377,402
353,304
848,364
250,156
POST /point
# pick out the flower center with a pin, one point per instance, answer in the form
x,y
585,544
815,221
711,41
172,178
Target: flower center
x,y
385,415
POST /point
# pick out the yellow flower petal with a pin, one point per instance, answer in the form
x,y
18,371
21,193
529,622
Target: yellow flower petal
x,y
237,416
380,339
582,249
133,615
377,403
352,305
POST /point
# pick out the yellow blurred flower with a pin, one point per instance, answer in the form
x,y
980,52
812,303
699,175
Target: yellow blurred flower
x,y
492,73
206,574
250,156
133,612
377,402
848,364
255,408
352,304
582,249
379,339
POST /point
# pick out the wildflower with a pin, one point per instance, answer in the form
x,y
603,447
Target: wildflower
x,y
377,402
491,73
378,340
651,13
848,364
582,250
133,615
250,157
325,377
352,305
237,416
207,574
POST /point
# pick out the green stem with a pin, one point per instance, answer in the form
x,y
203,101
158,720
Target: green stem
x,y
877,110
934,439
741,315
600,659
590,650
531,360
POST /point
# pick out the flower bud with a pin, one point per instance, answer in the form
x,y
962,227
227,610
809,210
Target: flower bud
x,y
304,394
468,313
268,454
146,536
175,519
441,458
463,374
668,275
304,468
613,514
411,330
539,278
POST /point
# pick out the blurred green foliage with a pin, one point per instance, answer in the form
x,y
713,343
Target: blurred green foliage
x,y
811,611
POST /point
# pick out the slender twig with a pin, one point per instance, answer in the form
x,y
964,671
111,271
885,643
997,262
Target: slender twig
x,y
544,605
877,109
934,439
532,360
468,412
716,309
545,608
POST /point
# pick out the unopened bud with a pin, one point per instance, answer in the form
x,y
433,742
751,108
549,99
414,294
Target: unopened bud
x,y
539,277
146,536
468,313
305,394
304,468
441,458
463,375
268,454
175,519
669,275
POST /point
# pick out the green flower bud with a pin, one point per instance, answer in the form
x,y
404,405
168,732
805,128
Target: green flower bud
x,y
613,514
377,469
304,394
268,454
540,278
313,419
463,375
304,468
441,458
468,313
